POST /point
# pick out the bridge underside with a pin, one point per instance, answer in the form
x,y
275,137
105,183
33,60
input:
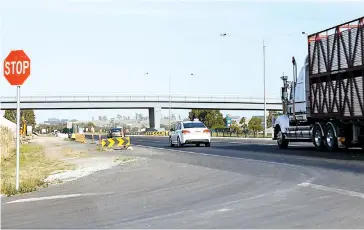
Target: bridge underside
x,y
52,105
154,108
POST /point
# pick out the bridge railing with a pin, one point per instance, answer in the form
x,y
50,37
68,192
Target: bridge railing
x,y
141,98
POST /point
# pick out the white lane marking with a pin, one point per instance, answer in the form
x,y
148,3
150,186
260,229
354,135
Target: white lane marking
x,y
52,197
331,189
157,141
229,157
224,210
227,138
266,144
242,143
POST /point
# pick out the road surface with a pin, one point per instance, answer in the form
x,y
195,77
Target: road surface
x,y
228,185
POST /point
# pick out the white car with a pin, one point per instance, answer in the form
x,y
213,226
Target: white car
x,y
190,132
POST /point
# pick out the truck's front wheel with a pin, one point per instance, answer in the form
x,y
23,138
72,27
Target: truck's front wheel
x,y
281,140
318,139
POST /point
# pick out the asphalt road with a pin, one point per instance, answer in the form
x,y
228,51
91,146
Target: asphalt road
x,y
232,184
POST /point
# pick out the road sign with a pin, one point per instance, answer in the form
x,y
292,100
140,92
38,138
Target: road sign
x,y
118,141
69,125
16,71
17,67
228,120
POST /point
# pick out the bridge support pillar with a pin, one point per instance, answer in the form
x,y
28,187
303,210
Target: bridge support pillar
x,y
155,117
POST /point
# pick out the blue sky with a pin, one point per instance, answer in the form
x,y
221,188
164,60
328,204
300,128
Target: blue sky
x,y
105,46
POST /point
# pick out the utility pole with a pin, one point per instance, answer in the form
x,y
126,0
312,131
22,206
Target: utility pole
x,y
265,105
169,109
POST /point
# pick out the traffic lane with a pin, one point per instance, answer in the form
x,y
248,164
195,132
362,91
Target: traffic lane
x,y
269,146
214,139
168,189
304,156
133,195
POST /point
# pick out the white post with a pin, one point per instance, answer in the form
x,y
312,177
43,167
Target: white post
x,y
265,105
17,136
169,109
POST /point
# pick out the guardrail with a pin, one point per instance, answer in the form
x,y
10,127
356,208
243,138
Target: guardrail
x,y
142,98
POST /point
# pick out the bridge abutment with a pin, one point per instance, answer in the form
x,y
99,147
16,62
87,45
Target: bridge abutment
x,y
155,117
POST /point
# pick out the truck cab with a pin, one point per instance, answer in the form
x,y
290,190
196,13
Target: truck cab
x,y
294,97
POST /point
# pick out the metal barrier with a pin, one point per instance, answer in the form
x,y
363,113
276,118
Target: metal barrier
x,y
163,133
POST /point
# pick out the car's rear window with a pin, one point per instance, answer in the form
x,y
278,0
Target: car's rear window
x,y
193,125
115,130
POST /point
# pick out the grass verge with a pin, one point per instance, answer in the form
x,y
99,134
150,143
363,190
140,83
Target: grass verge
x,y
34,168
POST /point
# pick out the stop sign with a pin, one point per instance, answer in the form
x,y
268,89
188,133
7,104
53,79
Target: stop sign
x,y
17,67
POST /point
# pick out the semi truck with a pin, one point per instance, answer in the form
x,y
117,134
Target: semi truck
x,y
324,104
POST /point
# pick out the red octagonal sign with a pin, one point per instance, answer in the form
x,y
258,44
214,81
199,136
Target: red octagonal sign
x,y
17,67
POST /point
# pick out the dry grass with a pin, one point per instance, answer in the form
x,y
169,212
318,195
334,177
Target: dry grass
x,y
124,159
7,142
34,166
69,152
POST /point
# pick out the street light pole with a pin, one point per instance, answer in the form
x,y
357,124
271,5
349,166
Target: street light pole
x,y
265,105
169,109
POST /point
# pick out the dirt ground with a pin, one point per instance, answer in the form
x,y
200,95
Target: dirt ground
x,y
84,157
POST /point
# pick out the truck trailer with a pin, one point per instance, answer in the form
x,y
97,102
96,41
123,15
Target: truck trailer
x,y
324,104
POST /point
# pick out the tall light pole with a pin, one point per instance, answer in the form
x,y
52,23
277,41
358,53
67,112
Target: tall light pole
x,y
169,107
265,104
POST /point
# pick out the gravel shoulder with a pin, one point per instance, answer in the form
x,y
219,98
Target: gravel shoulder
x,y
83,159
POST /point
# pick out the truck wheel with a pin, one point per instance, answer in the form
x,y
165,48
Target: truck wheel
x,y
318,139
331,139
281,140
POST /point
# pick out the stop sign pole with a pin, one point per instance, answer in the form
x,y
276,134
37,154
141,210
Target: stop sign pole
x,y
16,71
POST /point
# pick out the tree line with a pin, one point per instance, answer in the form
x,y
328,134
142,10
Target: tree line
x,y
214,119
26,115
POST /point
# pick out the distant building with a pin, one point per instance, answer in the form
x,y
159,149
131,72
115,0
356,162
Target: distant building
x,y
55,121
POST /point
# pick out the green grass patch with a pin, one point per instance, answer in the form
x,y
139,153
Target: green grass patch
x,y
34,168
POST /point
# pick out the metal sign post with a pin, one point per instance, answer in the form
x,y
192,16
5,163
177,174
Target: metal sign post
x,y
17,136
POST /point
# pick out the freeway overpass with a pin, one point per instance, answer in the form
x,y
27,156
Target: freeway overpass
x,y
154,103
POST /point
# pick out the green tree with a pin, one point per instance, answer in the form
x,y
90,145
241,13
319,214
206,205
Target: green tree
x,y
90,124
212,118
242,121
244,126
10,115
28,115
269,119
235,127
255,125
272,114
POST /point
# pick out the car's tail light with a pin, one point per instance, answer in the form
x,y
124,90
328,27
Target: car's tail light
x,y
206,131
185,131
